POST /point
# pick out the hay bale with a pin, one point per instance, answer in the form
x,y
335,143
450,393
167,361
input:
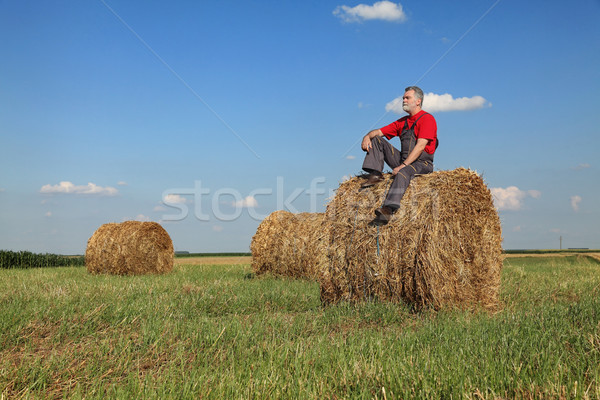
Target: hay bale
x,y
287,244
441,249
129,248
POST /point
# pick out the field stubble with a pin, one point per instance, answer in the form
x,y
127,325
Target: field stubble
x,y
214,331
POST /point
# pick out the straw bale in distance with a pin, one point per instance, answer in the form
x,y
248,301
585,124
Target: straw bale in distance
x,y
287,244
441,249
129,248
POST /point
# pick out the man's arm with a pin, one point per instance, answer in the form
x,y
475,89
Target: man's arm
x,y
366,142
413,156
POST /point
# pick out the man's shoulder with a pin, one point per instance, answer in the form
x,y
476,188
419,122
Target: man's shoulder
x,y
401,121
428,120
426,115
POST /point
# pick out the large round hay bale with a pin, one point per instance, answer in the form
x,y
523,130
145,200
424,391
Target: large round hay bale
x,y
129,248
287,244
441,249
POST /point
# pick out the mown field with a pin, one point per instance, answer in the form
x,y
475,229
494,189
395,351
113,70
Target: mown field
x,y
216,331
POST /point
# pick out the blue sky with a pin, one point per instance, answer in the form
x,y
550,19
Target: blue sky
x,y
206,116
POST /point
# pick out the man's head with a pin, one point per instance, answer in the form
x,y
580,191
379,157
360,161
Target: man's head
x,y
412,101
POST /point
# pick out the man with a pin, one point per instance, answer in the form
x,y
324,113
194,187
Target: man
x,y
418,139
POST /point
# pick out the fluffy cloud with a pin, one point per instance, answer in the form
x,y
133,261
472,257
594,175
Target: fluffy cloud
x,y
383,10
248,202
174,199
70,188
575,200
511,198
122,183
139,217
442,102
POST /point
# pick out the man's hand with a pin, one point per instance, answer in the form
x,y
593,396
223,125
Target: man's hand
x,y
366,143
398,168
413,156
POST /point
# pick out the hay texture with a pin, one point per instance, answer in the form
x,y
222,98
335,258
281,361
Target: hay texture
x,y
129,248
293,245
441,249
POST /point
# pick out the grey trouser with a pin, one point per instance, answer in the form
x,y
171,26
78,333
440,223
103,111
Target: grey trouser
x,y
382,151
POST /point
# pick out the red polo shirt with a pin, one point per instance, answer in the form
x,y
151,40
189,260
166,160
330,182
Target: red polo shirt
x,y
426,129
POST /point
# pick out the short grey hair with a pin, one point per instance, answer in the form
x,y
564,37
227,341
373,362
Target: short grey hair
x,y
418,92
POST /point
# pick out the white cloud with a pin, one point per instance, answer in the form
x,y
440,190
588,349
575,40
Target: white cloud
x,y
70,188
395,105
350,157
122,183
248,202
575,200
442,102
217,228
512,197
383,10
139,217
159,208
174,199
581,166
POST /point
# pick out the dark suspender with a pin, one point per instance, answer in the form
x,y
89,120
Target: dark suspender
x,y
437,142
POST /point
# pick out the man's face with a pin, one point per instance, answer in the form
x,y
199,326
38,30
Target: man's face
x,y
409,101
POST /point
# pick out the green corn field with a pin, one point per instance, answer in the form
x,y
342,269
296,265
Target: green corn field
x,y
26,259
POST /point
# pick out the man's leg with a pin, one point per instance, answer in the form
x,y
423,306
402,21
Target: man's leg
x,y
381,151
394,195
401,182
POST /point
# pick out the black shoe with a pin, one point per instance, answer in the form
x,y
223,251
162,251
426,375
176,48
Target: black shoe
x,y
372,179
384,214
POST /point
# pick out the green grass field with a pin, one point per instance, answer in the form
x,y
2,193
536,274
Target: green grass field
x,y
214,331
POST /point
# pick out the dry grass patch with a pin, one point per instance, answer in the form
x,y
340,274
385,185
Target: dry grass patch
x,y
68,363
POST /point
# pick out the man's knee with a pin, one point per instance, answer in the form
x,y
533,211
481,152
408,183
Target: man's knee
x,y
379,142
402,178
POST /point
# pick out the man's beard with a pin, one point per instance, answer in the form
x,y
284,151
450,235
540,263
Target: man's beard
x,y
405,107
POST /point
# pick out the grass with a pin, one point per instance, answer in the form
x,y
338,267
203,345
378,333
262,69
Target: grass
x,y
214,331
551,251
185,255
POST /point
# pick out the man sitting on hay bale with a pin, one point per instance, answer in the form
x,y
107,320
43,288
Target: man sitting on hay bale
x,y
418,139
